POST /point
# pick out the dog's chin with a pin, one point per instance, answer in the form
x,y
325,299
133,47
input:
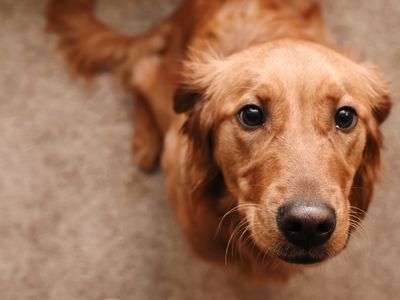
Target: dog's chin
x,y
301,256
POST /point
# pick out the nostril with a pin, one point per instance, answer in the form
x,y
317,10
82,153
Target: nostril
x,y
324,227
294,227
306,224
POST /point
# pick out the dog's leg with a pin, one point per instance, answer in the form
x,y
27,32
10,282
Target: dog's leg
x,y
90,46
147,138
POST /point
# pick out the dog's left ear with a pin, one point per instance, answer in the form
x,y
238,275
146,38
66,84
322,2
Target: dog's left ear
x,y
382,109
379,102
379,95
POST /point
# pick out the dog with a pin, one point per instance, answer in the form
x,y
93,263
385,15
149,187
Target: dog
x,y
268,133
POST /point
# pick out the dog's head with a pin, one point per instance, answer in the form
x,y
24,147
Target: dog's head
x,y
293,128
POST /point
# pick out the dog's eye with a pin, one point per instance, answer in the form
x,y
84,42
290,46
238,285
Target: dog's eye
x,y
251,116
345,118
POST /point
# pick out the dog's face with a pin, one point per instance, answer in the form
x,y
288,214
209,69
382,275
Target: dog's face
x,y
294,129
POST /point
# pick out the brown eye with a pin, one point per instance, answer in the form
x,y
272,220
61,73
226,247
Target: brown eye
x,y
251,116
346,118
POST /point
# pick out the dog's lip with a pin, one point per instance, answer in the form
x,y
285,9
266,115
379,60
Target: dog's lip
x,y
306,259
303,256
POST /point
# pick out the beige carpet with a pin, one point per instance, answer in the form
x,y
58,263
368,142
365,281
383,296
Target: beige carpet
x,y
78,221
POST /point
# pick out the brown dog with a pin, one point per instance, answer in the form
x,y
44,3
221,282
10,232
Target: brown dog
x,y
270,163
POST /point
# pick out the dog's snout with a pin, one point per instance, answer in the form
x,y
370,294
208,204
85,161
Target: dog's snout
x,y
306,224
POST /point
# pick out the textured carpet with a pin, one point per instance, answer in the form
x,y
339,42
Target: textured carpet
x,y
78,221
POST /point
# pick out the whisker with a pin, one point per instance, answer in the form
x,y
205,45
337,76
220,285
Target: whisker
x,y
357,210
240,241
364,234
235,230
234,209
237,241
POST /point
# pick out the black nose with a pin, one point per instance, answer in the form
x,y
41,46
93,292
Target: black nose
x,y
306,224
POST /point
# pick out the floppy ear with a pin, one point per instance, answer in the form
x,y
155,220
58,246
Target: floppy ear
x,y
199,128
378,93
195,97
198,125
366,175
185,99
380,104
198,77
382,109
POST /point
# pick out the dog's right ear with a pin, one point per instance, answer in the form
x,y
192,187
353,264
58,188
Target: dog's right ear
x,y
199,73
185,99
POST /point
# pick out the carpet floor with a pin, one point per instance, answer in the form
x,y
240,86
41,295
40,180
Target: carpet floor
x,y
79,221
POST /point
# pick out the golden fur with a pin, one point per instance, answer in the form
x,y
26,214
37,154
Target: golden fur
x,y
208,60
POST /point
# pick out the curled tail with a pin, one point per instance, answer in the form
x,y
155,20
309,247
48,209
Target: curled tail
x,y
89,45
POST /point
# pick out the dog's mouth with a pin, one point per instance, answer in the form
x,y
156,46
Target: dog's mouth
x,y
305,233
306,259
303,256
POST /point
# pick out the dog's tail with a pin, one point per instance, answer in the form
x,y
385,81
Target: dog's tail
x,y
89,45
308,9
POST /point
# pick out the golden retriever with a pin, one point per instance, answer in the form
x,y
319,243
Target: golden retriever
x,y
268,135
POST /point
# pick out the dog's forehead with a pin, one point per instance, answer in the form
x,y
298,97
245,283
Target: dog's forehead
x,y
287,72
288,61
289,68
